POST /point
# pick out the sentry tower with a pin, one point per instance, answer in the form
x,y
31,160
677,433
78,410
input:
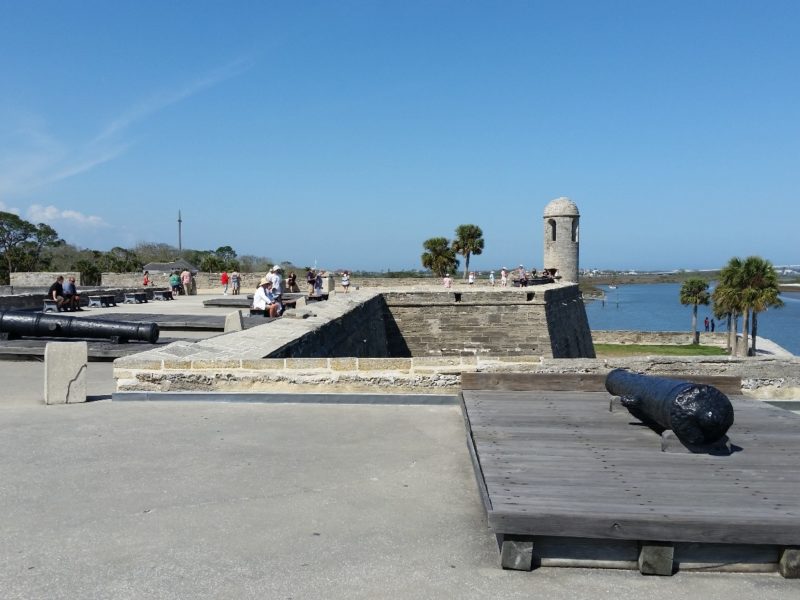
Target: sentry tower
x,y
561,219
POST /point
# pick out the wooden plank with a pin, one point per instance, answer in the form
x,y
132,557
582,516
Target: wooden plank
x,y
676,528
476,465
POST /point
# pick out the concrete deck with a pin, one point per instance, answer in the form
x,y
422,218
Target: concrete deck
x,y
199,500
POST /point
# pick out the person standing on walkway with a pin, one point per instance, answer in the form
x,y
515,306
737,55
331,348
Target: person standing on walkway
x,y
223,279
186,281
706,323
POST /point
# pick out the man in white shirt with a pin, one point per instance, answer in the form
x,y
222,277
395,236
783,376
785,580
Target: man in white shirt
x,y
277,281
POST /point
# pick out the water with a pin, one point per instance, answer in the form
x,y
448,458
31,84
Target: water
x,y
655,307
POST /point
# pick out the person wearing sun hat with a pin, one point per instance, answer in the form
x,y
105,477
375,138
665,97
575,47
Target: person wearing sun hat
x,y
277,281
263,299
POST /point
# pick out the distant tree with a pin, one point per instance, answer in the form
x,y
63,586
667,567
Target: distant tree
x,y
120,260
22,243
255,264
468,241
155,252
439,256
210,262
693,292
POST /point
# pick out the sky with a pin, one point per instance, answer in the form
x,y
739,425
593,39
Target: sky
x,y
347,133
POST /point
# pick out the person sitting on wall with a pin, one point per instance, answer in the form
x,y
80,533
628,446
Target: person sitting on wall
x,y
263,299
56,292
72,299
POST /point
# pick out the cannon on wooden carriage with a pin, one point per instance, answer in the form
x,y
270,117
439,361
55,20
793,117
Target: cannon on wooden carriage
x,y
14,325
698,414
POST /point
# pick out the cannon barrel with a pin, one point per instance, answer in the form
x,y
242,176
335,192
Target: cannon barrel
x,y
19,324
698,414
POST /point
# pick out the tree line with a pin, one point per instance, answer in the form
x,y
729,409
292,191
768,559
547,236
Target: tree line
x,y
440,253
25,246
745,289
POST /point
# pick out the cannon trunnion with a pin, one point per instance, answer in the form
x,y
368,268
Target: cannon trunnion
x,y
19,324
698,414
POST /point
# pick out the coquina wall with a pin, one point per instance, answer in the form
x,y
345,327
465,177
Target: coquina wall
x,y
542,320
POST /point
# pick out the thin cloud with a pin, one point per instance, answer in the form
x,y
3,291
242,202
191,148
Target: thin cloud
x,y
31,157
52,214
162,100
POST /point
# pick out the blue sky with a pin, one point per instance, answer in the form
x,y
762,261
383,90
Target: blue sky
x,y
349,132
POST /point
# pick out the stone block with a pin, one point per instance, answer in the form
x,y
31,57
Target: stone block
x,y
301,302
258,364
789,563
234,322
384,364
306,363
65,365
216,364
344,364
656,558
516,555
176,364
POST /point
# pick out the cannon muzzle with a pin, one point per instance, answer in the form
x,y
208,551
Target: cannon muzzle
x,y
698,414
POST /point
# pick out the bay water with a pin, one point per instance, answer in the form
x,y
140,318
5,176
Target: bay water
x,y
656,307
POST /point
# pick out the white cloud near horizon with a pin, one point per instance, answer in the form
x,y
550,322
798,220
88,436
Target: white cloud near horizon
x,y
30,156
49,214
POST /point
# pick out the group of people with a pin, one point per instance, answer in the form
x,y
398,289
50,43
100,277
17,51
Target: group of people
x,y
269,293
522,277
179,283
65,294
234,280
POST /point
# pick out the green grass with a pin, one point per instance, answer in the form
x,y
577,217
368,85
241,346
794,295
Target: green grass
x,y
660,349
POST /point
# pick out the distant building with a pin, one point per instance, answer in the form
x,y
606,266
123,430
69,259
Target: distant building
x,y
179,265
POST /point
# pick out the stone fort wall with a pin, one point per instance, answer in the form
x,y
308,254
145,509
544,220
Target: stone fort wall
x,y
542,320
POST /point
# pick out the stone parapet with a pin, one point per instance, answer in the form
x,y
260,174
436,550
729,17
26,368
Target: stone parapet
x,y
761,377
652,338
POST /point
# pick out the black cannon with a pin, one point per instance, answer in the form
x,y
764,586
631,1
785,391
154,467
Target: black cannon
x,y
698,414
20,324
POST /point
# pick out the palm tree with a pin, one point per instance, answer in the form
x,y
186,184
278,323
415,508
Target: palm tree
x,y
439,257
694,291
760,290
728,295
469,241
725,307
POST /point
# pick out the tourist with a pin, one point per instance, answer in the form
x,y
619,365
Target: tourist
x,y
291,283
236,283
318,284
447,282
186,281
175,283
56,292
223,279
146,279
311,278
503,277
491,278
706,323
712,325
277,281
71,298
522,277
346,281
471,278
264,299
